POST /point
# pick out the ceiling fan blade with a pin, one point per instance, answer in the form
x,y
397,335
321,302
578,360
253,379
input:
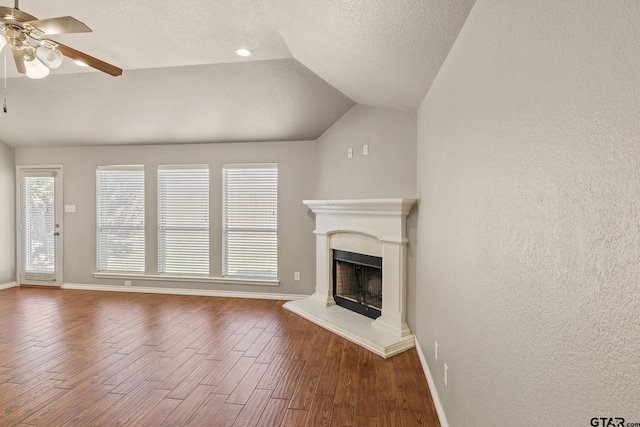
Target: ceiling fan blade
x,y
89,60
16,14
60,25
18,56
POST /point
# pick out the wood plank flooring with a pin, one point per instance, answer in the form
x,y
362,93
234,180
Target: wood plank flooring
x,y
80,358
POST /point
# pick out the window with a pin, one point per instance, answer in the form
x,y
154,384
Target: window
x,y
183,219
250,220
120,218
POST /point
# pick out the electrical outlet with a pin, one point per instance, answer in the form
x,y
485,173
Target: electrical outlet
x,y
446,375
365,150
436,351
127,282
349,152
296,275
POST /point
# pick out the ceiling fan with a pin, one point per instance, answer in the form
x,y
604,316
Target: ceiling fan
x,y
35,55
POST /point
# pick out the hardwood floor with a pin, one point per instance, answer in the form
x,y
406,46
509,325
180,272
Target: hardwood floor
x,y
79,358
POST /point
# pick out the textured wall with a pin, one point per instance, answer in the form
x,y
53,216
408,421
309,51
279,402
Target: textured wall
x,y
7,215
296,170
529,180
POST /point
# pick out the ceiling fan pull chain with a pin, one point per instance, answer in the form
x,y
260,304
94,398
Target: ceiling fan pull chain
x,y
4,106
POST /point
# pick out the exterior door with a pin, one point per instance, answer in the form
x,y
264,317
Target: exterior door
x,y
40,227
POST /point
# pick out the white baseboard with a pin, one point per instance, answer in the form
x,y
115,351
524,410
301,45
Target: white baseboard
x,y
432,386
181,291
8,285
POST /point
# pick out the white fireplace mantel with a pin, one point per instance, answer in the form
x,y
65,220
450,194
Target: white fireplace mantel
x,y
374,227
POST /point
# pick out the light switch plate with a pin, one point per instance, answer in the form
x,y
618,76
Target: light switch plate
x,y
69,208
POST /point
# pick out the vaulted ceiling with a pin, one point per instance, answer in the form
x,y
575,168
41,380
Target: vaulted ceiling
x,y
182,83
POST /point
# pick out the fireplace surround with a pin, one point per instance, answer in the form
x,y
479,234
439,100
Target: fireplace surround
x,y
375,228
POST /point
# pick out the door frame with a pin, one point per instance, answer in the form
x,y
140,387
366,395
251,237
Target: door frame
x,y
58,169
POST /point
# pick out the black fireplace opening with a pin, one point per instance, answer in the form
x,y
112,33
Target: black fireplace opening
x,y
357,282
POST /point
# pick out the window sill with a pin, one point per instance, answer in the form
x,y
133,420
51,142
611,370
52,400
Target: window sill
x,y
198,279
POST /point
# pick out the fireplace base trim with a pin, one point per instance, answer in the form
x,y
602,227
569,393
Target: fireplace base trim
x,y
352,326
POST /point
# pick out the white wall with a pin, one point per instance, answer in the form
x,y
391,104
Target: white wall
x,y
529,180
307,170
296,172
389,168
7,215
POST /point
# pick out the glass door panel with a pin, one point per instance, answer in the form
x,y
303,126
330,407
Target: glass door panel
x,y
39,228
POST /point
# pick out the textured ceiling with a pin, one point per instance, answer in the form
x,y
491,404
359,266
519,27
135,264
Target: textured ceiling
x,y
136,34
182,82
378,52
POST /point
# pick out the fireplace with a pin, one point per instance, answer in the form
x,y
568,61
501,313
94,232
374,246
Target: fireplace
x,y
357,282
369,229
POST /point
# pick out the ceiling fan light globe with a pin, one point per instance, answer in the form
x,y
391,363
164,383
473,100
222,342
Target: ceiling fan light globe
x,y
3,42
36,69
52,58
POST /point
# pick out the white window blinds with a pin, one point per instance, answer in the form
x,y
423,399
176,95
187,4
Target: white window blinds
x,y
250,220
183,219
120,218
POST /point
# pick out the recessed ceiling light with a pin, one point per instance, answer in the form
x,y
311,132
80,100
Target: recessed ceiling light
x,y
243,52
80,63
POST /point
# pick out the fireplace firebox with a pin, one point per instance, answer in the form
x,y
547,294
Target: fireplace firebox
x,y
357,282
